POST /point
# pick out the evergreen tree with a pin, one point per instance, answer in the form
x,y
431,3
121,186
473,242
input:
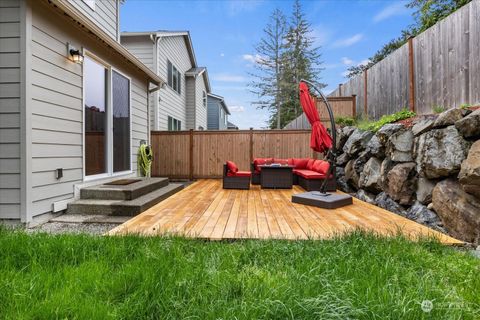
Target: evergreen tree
x,y
301,60
266,81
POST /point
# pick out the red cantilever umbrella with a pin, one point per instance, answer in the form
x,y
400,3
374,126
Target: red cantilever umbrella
x,y
320,140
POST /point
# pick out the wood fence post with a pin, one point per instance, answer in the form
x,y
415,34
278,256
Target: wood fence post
x,y
340,90
354,106
365,93
411,74
251,145
190,176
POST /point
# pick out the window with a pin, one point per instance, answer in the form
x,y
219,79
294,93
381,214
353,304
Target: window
x,y
174,77
225,118
204,99
106,119
174,124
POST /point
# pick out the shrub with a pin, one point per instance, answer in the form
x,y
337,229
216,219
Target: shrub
x,y
376,125
438,109
345,121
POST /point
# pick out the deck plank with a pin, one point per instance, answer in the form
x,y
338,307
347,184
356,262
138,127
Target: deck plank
x,y
205,210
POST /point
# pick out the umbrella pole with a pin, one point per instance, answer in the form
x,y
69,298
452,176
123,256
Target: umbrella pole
x,y
323,199
332,154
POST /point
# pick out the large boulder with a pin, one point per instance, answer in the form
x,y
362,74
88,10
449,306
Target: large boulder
x,y
424,190
384,201
365,196
400,145
341,181
422,126
342,159
357,142
387,165
421,214
402,182
342,135
370,177
385,132
351,176
440,152
470,171
449,117
360,161
459,211
375,148
470,125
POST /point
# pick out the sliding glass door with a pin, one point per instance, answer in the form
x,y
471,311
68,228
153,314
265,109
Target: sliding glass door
x,y
107,120
121,122
96,122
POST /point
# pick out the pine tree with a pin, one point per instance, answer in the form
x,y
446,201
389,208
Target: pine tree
x,y
301,60
266,81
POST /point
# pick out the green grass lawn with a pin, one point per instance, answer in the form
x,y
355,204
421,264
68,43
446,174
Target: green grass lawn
x,y
355,277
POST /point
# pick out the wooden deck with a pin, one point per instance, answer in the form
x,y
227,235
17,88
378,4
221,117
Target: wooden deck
x,y
205,210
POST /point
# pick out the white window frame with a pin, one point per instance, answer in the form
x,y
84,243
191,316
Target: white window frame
x,y
179,77
204,99
109,130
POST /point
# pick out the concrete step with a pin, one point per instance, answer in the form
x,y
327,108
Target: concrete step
x,y
123,207
126,192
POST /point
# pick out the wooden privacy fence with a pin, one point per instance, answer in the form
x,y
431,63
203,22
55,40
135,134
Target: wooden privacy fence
x,y
201,154
439,67
341,106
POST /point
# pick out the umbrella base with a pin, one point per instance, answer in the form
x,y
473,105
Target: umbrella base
x,y
322,200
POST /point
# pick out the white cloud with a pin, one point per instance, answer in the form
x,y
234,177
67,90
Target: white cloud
x,y
236,108
394,9
347,61
227,77
252,58
345,74
235,7
347,42
321,35
222,54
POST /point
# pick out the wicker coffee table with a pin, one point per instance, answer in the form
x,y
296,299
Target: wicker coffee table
x,y
276,177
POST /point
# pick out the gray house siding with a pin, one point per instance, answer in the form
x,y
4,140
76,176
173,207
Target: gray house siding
x,y
200,109
213,116
171,102
10,113
53,98
190,102
104,14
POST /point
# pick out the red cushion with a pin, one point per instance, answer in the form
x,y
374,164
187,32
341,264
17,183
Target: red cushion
x,y
280,161
239,174
321,166
300,163
232,167
310,164
261,161
309,174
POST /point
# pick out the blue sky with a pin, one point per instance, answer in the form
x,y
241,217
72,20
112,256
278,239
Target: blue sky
x,y
224,34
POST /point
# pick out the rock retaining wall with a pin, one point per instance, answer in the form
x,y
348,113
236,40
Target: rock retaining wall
x,y
429,173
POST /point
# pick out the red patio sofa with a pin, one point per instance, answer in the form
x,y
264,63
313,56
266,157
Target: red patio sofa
x,y
308,173
235,179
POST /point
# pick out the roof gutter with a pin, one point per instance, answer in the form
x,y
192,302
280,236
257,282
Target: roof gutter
x,y
71,11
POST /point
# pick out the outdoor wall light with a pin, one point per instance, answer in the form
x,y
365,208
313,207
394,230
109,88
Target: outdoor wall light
x,y
74,54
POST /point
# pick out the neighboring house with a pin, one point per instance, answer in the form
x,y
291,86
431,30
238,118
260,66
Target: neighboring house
x,y
231,126
181,104
217,112
64,122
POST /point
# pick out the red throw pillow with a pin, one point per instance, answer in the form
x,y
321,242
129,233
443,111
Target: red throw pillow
x,y
310,164
232,166
321,166
261,161
300,163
